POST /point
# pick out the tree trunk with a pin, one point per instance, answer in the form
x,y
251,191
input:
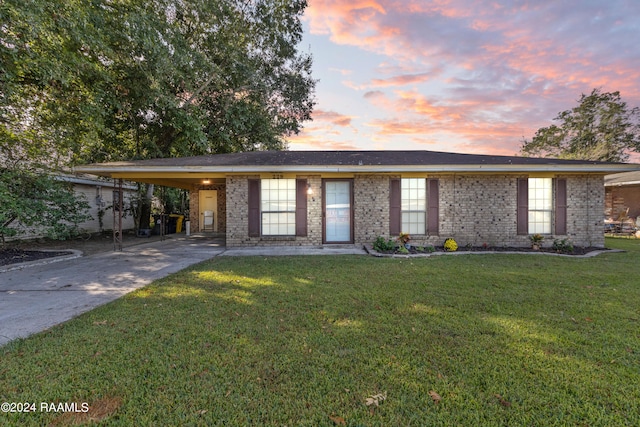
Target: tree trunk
x,y
145,208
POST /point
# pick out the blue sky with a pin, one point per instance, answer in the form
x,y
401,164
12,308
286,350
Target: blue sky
x,y
461,76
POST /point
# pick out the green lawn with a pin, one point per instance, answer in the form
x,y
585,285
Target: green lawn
x,y
491,340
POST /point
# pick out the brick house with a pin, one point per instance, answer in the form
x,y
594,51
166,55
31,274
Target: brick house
x,y
351,197
622,194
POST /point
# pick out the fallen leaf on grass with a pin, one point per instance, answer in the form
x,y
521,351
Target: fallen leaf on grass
x,y
435,396
502,401
376,399
104,322
339,421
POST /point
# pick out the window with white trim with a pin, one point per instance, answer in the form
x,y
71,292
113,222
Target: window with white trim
x,y
278,207
413,208
540,205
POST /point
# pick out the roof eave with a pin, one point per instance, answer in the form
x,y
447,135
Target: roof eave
x,y
621,183
244,169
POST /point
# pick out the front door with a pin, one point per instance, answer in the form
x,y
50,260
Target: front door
x,y
338,211
208,210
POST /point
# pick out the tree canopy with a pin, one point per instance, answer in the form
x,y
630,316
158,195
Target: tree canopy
x,y
92,81
122,79
601,128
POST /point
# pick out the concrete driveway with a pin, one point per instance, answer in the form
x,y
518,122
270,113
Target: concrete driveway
x,y
36,298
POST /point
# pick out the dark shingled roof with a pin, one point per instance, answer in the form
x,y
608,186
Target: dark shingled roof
x,y
350,158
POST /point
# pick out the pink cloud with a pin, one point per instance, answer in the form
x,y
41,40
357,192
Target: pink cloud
x,y
332,117
400,80
544,38
308,141
487,72
495,139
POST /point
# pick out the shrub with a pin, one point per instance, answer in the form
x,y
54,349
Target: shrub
x,y
427,249
450,245
563,246
40,203
384,245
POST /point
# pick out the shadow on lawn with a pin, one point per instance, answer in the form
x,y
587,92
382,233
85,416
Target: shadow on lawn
x,y
312,332
510,340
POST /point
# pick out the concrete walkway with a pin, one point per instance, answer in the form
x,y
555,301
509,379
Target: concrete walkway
x,y
296,250
38,297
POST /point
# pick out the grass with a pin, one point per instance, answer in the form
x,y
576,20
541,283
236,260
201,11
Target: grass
x,y
492,340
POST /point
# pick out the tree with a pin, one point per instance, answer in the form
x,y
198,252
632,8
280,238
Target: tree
x,y
134,79
104,81
601,128
39,201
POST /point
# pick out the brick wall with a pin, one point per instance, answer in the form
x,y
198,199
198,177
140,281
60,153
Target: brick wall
x,y
585,210
478,209
314,212
619,198
474,209
371,207
238,210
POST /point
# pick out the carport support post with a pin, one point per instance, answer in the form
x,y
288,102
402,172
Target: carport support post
x,y
118,206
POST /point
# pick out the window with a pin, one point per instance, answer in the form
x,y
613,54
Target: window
x,y
278,207
413,205
540,205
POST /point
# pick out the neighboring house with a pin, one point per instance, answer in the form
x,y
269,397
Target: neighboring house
x,y
344,197
622,193
99,194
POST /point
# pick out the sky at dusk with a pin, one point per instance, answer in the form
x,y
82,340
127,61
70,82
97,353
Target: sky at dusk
x,y
461,76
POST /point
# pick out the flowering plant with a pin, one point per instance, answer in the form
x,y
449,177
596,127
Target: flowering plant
x,y
404,238
536,239
450,245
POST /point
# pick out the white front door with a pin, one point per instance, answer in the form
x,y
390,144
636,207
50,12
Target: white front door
x,y
337,211
208,210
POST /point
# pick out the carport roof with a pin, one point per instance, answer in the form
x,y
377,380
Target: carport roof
x,y
194,168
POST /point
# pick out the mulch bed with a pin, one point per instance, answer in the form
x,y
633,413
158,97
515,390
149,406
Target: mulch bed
x,y
17,256
576,250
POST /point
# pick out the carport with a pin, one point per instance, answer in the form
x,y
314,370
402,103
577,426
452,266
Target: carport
x,y
206,184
